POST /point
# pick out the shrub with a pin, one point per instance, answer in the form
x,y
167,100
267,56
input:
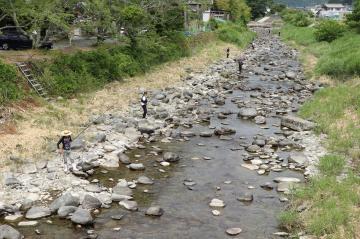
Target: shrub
x,y
329,30
235,33
296,17
9,89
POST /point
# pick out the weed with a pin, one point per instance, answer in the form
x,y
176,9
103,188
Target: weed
x,y
331,165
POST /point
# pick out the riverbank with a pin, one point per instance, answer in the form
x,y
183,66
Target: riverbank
x,y
329,204
219,155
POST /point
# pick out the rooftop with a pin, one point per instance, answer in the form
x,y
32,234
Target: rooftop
x,y
334,5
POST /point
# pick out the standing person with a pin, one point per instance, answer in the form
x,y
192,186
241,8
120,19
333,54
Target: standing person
x,y
143,103
253,45
241,63
65,150
279,33
227,52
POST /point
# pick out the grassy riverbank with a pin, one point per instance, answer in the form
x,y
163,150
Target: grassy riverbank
x,y
32,130
331,202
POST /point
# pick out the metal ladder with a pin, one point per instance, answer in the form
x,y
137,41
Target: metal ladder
x,y
34,83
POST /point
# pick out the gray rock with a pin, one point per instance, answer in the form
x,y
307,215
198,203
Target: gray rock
x,y
136,166
171,157
29,168
100,137
78,144
37,212
65,200
64,211
206,134
248,112
296,123
260,120
298,158
233,231
11,181
82,217
154,211
129,205
146,128
121,190
253,148
145,180
8,232
90,202
93,188
291,75
224,131
246,197
187,134
124,158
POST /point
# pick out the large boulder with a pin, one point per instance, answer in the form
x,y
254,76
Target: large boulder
x,y
123,158
129,205
37,212
64,211
90,202
8,232
296,123
298,158
171,157
66,199
82,217
247,113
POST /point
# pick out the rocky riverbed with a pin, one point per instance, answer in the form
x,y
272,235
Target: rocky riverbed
x,y
216,158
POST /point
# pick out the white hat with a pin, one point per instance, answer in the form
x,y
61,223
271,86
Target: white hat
x,y
66,133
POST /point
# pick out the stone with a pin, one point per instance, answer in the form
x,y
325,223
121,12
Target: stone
x,y
217,203
100,137
286,179
286,187
66,199
136,166
11,181
267,186
82,217
224,131
171,157
281,234
296,123
250,166
8,232
215,212
78,144
206,134
109,148
12,218
117,217
260,120
123,158
29,168
64,211
28,224
298,158
93,188
145,180
37,212
290,74
154,211
233,231
90,202
165,164
246,197
187,134
248,112
129,205
253,148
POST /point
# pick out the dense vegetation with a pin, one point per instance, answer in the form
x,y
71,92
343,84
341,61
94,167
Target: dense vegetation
x,y
332,203
9,86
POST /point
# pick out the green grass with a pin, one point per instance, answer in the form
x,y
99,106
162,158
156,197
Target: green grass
x,y
332,204
331,165
235,33
10,86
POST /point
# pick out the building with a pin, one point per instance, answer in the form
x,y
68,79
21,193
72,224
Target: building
x,y
215,14
333,11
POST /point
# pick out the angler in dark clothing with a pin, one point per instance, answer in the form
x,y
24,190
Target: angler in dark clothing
x,y
143,103
227,52
241,63
65,150
279,33
253,45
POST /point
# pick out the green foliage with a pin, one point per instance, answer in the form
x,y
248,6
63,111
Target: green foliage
x,y
329,30
296,17
9,89
235,33
258,7
353,19
289,220
239,10
300,35
331,165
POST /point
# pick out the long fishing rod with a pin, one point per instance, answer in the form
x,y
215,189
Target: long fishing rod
x,y
88,126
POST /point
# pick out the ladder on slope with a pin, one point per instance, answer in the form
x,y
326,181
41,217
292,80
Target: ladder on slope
x,y
34,83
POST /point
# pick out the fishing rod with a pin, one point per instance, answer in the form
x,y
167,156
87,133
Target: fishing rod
x,y
88,126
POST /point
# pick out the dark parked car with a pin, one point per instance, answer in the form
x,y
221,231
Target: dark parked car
x,y
19,41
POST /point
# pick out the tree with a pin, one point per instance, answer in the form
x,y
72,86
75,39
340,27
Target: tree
x,y
258,7
134,20
353,19
239,10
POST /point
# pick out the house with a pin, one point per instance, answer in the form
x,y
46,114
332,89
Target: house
x,y
334,11
215,14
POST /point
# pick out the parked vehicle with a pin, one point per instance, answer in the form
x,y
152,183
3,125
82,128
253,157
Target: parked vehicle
x,y
15,40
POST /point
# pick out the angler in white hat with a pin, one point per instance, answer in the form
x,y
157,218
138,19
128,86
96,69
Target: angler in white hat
x,y
65,150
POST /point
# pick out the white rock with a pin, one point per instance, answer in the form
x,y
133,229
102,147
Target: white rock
x,y
233,231
215,212
250,166
28,224
217,203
